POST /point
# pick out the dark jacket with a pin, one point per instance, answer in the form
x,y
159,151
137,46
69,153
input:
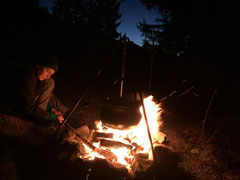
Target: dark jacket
x,y
19,88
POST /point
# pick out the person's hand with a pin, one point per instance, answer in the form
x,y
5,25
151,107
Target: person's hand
x,y
56,112
60,119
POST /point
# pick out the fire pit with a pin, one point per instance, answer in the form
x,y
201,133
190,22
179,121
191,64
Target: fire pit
x,y
128,148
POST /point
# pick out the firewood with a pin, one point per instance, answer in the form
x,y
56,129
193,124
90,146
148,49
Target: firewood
x,y
140,148
107,154
112,143
99,135
128,160
136,150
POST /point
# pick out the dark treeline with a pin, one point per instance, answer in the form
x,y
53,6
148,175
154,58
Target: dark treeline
x,y
193,28
72,28
188,35
195,40
195,32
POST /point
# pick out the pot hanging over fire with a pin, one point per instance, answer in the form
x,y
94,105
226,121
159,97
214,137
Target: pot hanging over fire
x,y
120,112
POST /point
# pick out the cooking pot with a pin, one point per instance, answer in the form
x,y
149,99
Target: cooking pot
x,y
120,113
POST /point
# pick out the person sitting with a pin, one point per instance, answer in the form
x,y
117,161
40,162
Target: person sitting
x,y
28,92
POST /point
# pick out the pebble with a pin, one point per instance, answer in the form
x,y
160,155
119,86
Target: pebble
x,y
195,151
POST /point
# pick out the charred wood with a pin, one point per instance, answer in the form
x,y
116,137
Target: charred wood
x,y
99,135
112,143
140,148
137,147
107,154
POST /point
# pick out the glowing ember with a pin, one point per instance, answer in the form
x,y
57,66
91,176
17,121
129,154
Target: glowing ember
x,y
135,137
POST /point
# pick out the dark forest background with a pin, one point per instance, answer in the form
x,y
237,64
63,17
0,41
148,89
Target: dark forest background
x,y
195,41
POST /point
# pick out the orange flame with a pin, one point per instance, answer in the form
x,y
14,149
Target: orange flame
x,y
134,135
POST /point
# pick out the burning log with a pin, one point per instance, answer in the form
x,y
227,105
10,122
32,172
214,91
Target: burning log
x,y
112,143
136,147
135,151
99,135
140,148
107,154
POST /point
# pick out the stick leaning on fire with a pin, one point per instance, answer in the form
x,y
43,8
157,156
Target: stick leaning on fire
x,y
107,154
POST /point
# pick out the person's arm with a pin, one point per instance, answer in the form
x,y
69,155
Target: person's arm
x,y
28,91
54,114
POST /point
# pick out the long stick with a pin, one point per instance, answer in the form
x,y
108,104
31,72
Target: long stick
x,y
206,115
123,63
151,69
148,129
149,134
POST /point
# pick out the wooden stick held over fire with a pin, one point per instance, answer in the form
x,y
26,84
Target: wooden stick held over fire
x,y
148,129
149,133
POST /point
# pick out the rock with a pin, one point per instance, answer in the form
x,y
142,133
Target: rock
x,y
195,151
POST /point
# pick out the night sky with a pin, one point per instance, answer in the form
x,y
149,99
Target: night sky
x,y
132,12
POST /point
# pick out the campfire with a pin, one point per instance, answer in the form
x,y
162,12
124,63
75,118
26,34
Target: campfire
x,y
129,148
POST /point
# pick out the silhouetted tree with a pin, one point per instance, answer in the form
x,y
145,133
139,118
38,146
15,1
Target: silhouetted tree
x,y
71,11
104,16
203,26
99,16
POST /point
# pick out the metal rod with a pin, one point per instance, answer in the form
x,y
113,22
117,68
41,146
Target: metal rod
x,y
151,69
148,129
123,63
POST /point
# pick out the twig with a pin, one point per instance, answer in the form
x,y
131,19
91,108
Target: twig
x,y
172,93
214,132
195,94
185,92
206,115
163,99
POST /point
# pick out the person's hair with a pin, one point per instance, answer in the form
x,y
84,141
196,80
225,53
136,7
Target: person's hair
x,y
50,61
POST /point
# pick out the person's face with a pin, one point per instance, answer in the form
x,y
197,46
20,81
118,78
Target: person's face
x,y
44,73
